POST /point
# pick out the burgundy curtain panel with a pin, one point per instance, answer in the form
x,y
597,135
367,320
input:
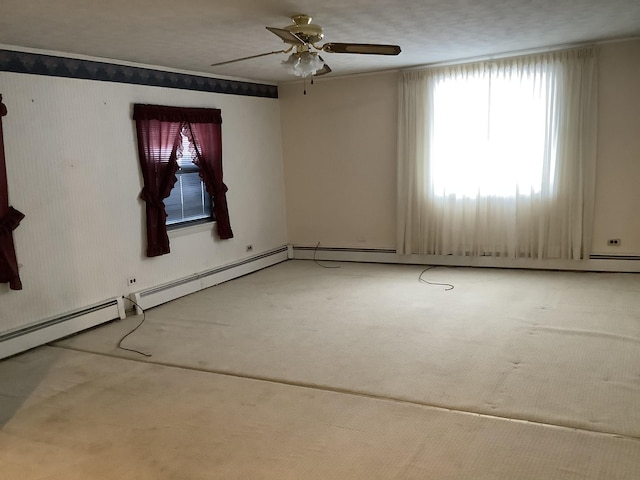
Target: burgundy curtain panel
x,y
207,139
158,129
10,218
157,145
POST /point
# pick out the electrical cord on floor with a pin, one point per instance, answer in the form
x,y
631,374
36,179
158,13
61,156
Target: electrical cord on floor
x,y
318,263
422,280
144,317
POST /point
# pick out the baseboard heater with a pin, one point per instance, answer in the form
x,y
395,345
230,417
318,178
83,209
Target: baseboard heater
x,y
54,328
595,263
193,283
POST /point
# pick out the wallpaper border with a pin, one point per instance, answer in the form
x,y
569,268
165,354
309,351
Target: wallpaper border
x,y
49,65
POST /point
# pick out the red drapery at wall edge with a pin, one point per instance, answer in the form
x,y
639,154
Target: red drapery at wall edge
x,y
9,220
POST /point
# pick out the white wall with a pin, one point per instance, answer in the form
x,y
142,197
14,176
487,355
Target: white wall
x,y
618,175
339,144
73,170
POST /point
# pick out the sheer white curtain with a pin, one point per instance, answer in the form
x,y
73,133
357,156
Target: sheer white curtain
x,y
498,158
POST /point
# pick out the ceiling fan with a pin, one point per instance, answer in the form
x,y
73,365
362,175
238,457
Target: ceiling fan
x,y
303,37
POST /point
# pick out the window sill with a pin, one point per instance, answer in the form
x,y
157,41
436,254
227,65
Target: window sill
x,y
190,229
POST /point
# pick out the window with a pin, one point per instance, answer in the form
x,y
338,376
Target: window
x,y
498,158
160,129
502,119
189,203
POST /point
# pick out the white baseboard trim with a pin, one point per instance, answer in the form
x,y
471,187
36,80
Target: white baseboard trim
x,y
164,293
45,331
597,263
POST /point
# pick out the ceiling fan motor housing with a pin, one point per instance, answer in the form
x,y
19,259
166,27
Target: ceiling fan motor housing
x,y
304,29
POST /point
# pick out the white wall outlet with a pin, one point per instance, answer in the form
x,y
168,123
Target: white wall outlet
x,y
131,281
613,242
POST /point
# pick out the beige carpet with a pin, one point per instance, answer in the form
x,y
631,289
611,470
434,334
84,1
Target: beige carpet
x,y
358,372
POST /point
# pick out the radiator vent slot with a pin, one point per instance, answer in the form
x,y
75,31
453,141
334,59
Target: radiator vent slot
x,y
596,256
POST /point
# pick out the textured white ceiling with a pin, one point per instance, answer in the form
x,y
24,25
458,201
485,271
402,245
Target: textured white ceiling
x,y
192,34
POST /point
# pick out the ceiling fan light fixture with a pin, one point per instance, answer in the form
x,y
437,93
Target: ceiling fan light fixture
x,y
303,64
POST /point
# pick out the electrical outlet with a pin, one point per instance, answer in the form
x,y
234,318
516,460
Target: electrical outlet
x,y
613,242
249,248
131,281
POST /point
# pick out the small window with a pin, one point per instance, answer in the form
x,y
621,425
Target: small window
x,y
189,203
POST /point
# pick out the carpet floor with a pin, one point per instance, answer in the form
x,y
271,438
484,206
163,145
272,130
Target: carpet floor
x,y
361,371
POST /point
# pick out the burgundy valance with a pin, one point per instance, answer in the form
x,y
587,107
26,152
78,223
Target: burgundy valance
x,y
176,114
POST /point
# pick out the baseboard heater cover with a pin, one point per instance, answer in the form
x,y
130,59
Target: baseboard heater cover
x,y
25,338
596,262
164,293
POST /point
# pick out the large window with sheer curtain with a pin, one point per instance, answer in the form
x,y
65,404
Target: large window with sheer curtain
x,y
498,158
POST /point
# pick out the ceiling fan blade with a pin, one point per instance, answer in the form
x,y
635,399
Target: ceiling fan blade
x,y
324,70
363,48
286,36
247,58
